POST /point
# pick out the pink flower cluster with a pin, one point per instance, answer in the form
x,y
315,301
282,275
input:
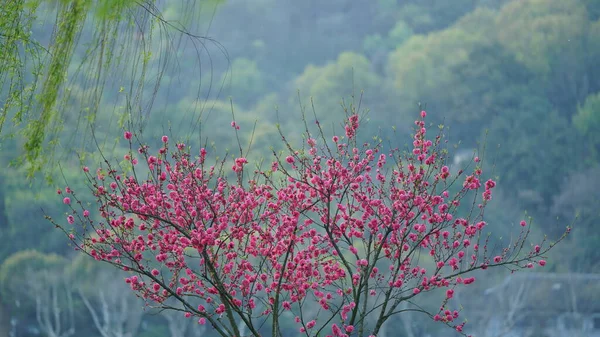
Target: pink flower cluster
x,y
337,226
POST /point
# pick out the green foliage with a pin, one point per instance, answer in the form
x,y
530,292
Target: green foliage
x,y
16,18
246,81
395,37
350,74
554,28
17,268
71,16
112,10
587,122
83,268
423,63
431,15
418,17
560,47
107,37
579,198
424,70
532,140
400,33
212,128
524,70
28,201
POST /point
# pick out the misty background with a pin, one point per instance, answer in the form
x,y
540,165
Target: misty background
x,y
516,82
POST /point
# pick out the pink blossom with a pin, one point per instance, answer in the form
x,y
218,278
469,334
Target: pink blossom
x,y
523,223
468,280
336,205
336,330
362,262
127,135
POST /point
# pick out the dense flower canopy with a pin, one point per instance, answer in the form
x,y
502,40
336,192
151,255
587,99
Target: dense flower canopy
x,y
333,232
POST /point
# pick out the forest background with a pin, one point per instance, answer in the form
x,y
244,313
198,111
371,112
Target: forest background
x,y
518,78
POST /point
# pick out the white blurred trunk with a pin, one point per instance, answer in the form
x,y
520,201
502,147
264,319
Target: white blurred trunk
x,y
115,310
53,304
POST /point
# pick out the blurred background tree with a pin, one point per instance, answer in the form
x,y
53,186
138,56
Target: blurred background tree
x,y
85,44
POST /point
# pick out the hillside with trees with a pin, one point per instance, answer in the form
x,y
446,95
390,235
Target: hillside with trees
x,y
515,82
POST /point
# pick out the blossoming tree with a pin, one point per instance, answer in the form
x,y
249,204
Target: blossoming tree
x,y
332,236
